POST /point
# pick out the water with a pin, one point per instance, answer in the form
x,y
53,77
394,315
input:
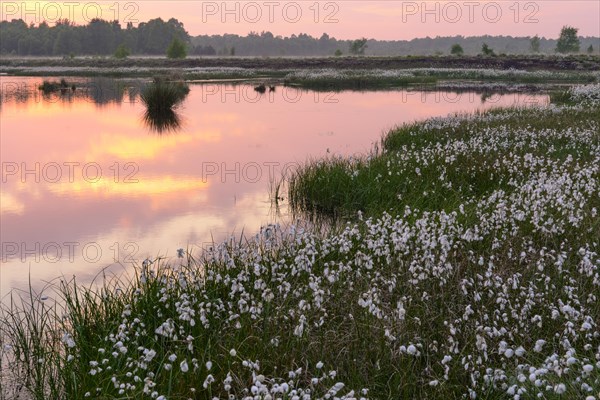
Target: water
x,y
87,184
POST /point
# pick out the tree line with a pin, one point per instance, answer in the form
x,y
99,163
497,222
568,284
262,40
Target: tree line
x,y
98,37
159,37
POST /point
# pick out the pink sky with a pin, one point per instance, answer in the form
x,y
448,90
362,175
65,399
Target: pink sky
x,y
341,19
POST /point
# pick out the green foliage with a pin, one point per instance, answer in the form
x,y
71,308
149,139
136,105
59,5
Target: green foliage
x,y
232,51
162,95
161,98
487,51
456,50
98,37
534,44
358,46
338,53
122,51
590,49
568,42
177,49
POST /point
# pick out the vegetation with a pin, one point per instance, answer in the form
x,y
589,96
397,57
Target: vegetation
x,y
98,37
161,99
122,52
340,79
487,51
386,182
568,42
153,37
473,271
358,47
177,49
534,44
456,50
51,87
333,80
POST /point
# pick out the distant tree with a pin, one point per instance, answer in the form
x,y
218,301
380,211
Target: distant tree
x,y
176,49
122,51
568,42
456,50
232,51
338,53
205,51
590,49
486,50
358,46
534,44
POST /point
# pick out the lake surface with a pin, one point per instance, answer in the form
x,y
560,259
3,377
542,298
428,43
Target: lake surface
x,y
87,184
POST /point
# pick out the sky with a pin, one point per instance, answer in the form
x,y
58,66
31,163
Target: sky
x,y
384,20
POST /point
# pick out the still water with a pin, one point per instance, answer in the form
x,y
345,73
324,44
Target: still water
x,y
87,184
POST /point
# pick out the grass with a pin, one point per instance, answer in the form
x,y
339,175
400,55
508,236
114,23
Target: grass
x,y
475,276
335,80
161,98
386,180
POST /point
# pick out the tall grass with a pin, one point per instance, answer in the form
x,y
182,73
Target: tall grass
x,y
161,99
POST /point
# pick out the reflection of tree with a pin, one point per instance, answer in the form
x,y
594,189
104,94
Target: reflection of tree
x,y
485,96
100,91
104,91
161,99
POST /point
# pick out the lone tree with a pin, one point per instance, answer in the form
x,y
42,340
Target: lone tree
x,y
358,46
456,50
487,50
534,44
176,49
122,51
590,49
568,42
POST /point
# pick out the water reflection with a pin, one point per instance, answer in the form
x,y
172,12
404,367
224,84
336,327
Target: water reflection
x,y
165,121
85,186
99,91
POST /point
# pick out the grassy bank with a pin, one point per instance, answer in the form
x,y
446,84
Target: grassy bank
x,y
472,272
332,79
412,166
